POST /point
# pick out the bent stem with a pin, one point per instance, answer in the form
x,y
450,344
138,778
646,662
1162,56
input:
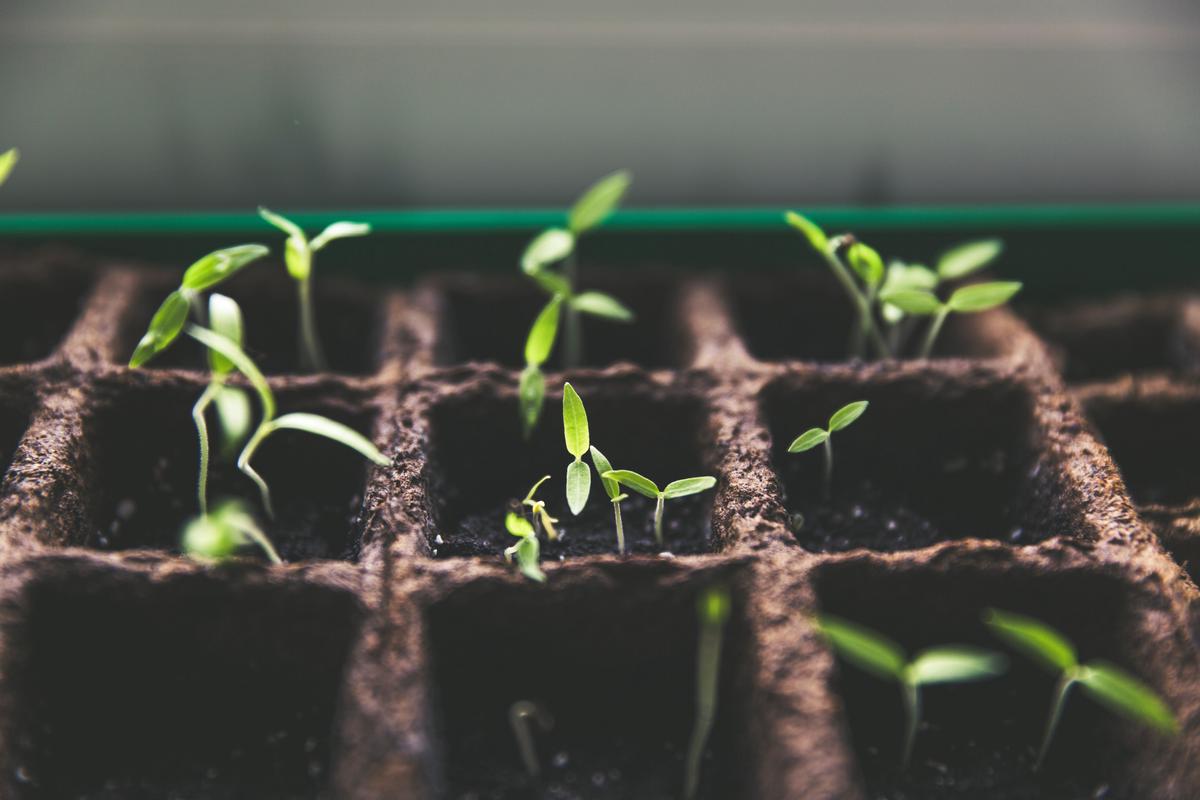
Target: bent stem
x,y
828,475
311,355
935,327
708,660
865,321
243,464
912,711
658,518
198,411
1060,698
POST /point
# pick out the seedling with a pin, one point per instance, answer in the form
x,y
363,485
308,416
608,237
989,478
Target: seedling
x,y
615,495
298,255
537,510
230,526
872,652
965,300
532,389
842,418
647,488
527,550
519,715
575,432
8,160
712,608
1107,684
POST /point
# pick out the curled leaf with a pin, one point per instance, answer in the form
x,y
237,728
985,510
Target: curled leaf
x,y
517,525
865,261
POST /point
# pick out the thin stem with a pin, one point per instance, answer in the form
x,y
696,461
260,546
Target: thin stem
x,y
519,715
243,464
708,661
312,357
1060,698
573,335
856,296
616,504
828,484
912,710
658,516
934,328
198,411
858,336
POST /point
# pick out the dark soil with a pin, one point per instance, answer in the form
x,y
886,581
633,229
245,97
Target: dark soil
x,y
38,306
14,420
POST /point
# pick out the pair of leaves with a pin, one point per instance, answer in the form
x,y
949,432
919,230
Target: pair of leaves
x,y
646,487
578,441
8,160
219,534
298,250
965,300
842,418
527,551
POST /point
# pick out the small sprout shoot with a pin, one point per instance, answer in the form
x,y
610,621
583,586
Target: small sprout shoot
x,y
8,160
298,255
615,495
842,418
969,299
527,550
519,715
1109,685
532,390
575,432
874,653
216,536
537,509
712,608
966,259
647,488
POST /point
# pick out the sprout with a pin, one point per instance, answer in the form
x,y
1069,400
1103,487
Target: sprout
x,y
298,255
519,714
615,495
712,608
537,510
812,437
646,487
532,389
527,550
883,658
575,432
8,160
965,300
218,535
1109,685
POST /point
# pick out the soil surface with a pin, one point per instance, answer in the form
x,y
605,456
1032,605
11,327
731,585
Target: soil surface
x,y
39,302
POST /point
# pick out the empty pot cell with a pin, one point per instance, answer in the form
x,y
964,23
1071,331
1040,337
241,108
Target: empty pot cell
x,y
136,688
613,665
481,467
807,316
489,320
37,310
349,324
145,465
980,740
935,457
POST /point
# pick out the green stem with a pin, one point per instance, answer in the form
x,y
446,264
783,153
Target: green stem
x,y
865,320
828,482
912,711
620,527
1060,698
311,356
708,661
198,411
573,335
934,328
243,464
658,517
519,716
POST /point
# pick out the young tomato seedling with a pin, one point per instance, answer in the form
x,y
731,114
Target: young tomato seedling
x,y
519,715
966,300
230,526
1111,686
615,495
842,418
8,160
298,255
537,510
712,609
883,658
575,432
647,488
527,551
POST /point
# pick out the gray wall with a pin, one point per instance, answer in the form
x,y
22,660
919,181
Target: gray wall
x,y
223,103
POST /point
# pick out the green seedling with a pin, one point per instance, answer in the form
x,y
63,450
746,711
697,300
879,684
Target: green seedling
x,y
519,715
966,300
712,609
269,423
876,654
575,433
615,495
647,488
298,255
538,512
218,535
1107,684
527,551
532,388
8,160
842,418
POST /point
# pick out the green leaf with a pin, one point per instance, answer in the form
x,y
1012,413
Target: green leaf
x,y
549,246
639,483
233,412
225,347
297,255
866,262
961,261
955,664
164,328
863,647
339,230
219,265
518,525
982,296
579,486
528,555
281,222
8,160
611,487
334,430
209,538
846,415
912,301
686,486
1126,695
808,440
575,423
541,336
225,318
909,276
531,394
600,200
1033,638
601,305
816,237
533,490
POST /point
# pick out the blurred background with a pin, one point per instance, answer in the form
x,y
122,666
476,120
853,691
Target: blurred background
x,y
147,104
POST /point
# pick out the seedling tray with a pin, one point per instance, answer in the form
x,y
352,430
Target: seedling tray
x,y
381,660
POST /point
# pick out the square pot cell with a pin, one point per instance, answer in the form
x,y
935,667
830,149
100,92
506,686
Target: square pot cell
x,y
807,316
134,688
145,466
481,466
980,740
936,457
488,320
349,324
37,310
614,665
